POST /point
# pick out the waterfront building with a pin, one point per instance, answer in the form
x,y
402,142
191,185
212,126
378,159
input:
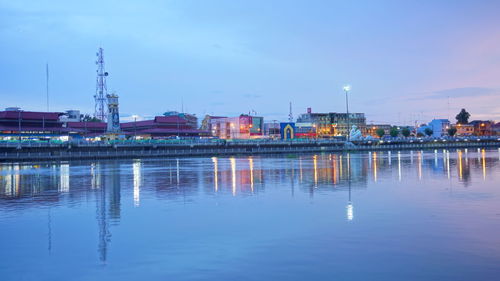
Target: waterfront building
x,y
496,129
305,130
287,130
18,124
371,129
482,127
330,124
163,127
464,129
209,124
86,129
191,119
320,122
272,129
340,123
240,127
439,127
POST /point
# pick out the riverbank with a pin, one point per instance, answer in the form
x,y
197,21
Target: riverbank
x,y
80,151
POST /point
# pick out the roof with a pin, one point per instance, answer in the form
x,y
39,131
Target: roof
x,y
481,121
170,119
441,120
99,125
158,120
170,131
138,124
31,115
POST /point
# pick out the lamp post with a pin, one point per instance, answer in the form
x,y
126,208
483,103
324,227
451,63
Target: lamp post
x,y
19,124
347,88
135,126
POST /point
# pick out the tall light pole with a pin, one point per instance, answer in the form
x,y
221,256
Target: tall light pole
x,y
347,88
135,126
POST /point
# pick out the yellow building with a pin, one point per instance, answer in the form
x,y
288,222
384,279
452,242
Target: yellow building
x,y
464,130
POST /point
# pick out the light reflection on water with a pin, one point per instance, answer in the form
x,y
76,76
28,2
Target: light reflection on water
x,y
414,215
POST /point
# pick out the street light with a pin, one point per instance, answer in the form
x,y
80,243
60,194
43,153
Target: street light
x,y
135,126
347,89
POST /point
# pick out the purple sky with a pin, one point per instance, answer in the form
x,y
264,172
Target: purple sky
x,y
405,61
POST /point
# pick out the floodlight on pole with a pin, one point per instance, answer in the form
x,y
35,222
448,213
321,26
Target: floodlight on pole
x,y
347,89
135,125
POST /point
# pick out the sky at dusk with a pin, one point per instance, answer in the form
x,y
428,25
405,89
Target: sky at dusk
x,y
407,61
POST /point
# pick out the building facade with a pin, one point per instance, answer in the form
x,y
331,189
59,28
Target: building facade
x,y
329,124
371,129
162,127
18,124
439,127
240,127
482,127
191,119
272,129
464,130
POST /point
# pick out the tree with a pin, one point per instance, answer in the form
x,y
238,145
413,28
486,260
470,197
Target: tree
x,y
394,132
428,131
380,132
452,131
463,117
405,132
88,118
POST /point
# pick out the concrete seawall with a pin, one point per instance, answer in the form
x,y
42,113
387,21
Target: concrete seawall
x,y
58,152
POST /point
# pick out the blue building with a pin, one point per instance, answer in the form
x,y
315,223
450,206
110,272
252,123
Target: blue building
x,y
287,130
439,127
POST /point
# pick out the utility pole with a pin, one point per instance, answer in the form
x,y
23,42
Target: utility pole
x,y
101,88
47,84
347,88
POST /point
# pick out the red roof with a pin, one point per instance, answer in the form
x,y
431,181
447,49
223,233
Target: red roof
x,y
170,119
170,131
93,125
158,120
30,115
137,124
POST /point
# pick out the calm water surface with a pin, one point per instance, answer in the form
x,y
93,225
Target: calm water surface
x,y
420,215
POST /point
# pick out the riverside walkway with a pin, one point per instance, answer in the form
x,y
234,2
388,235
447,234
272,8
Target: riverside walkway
x,y
55,151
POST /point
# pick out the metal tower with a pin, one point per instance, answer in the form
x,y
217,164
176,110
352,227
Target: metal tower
x,y
290,115
101,89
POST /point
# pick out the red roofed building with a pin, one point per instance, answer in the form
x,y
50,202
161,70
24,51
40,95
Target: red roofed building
x,y
18,123
87,129
162,127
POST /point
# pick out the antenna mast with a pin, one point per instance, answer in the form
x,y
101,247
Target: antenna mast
x,y
101,88
290,115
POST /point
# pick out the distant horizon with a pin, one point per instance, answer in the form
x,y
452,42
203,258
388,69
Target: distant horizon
x,y
406,62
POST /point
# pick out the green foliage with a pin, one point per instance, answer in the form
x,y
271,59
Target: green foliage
x,y
394,132
88,118
428,131
380,132
452,131
405,132
463,117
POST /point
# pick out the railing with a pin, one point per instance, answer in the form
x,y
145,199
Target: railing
x,y
20,155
